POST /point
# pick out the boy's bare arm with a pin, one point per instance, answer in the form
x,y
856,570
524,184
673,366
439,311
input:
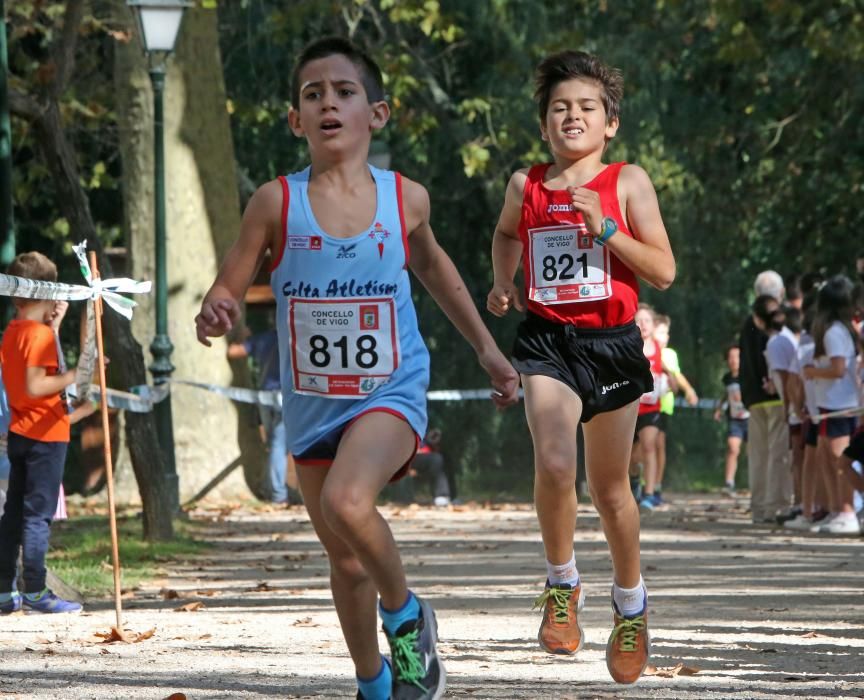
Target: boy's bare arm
x,y
648,253
507,250
40,383
684,385
259,232
436,271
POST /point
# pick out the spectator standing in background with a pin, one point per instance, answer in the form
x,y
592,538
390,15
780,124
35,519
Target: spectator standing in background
x,y
768,438
429,465
264,350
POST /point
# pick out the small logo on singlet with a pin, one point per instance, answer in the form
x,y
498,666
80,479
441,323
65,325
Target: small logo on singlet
x,y
552,208
346,252
304,242
379,234
367,385
368,318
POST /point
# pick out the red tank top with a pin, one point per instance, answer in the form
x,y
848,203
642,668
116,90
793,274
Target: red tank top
x,y
570,279
650,402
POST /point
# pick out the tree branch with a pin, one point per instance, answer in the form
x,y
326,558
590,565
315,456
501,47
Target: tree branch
x,y
64,51
23,105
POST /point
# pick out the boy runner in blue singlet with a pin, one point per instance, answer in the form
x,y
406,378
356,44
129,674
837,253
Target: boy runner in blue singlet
x,y
583,231
354,366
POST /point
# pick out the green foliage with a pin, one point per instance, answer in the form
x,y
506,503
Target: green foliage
x,y
745,115
749,118
34,27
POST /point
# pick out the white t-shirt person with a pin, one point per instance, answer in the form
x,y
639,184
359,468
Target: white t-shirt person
x,y
781,355
840,393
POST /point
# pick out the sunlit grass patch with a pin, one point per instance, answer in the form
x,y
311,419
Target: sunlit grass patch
x,y
81,553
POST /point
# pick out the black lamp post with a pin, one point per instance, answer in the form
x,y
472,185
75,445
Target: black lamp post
x,y
159,23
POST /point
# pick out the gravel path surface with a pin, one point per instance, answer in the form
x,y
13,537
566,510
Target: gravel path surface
x,y
750,611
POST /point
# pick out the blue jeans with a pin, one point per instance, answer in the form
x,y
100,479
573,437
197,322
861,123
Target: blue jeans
x,y
31,501
274,427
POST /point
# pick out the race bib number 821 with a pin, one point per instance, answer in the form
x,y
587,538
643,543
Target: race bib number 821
x,y
567,265
342,348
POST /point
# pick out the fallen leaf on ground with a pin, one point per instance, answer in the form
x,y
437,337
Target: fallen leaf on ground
x,y
812,635
190,607
677,670
305,622
176,696
169,593
127,636
262,586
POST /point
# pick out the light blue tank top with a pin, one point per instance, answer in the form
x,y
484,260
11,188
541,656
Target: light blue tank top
x,y
348,335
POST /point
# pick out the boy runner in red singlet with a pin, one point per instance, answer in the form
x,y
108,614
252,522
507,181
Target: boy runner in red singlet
x,y
354,367
583,231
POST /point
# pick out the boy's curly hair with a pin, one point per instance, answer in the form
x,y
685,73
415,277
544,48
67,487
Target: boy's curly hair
x,y
570,65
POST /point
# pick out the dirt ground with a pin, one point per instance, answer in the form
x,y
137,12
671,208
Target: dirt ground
x,y
749,611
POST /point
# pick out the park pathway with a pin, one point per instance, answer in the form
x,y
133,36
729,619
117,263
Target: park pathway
x,y
736,610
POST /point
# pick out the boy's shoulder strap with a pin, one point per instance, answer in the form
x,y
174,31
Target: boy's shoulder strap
x,y
276,255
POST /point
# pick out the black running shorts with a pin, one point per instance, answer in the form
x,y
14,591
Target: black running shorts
x,y
606,367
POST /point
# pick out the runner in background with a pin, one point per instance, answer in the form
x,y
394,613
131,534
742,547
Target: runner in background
x,y
732,407
672,367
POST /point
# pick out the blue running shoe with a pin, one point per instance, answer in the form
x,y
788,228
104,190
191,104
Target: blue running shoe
x,y
418,673
647,503
13,605
48,602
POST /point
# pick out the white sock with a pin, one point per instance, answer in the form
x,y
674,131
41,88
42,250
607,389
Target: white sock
x,y
563,573
630,601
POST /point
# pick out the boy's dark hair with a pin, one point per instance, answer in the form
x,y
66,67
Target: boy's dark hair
x,y
33,266
810,281
834,305
777,319
370,73
570,65
794,319
792,284
763,308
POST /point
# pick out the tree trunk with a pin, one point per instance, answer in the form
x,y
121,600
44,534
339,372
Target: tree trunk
x,y
121,346
203,218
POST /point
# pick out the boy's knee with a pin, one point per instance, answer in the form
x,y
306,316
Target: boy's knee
x,y
612,498
557,468
344,507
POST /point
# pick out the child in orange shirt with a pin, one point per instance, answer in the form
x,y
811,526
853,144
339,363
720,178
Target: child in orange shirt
x,y
38,438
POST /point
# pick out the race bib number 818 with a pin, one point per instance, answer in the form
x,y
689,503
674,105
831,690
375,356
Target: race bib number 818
x,y
342,348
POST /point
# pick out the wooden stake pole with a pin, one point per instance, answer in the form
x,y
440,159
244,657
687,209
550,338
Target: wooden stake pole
x,y
109,467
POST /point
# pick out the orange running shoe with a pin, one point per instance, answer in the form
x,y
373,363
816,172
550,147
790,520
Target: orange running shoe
x,y
560,631
629,646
